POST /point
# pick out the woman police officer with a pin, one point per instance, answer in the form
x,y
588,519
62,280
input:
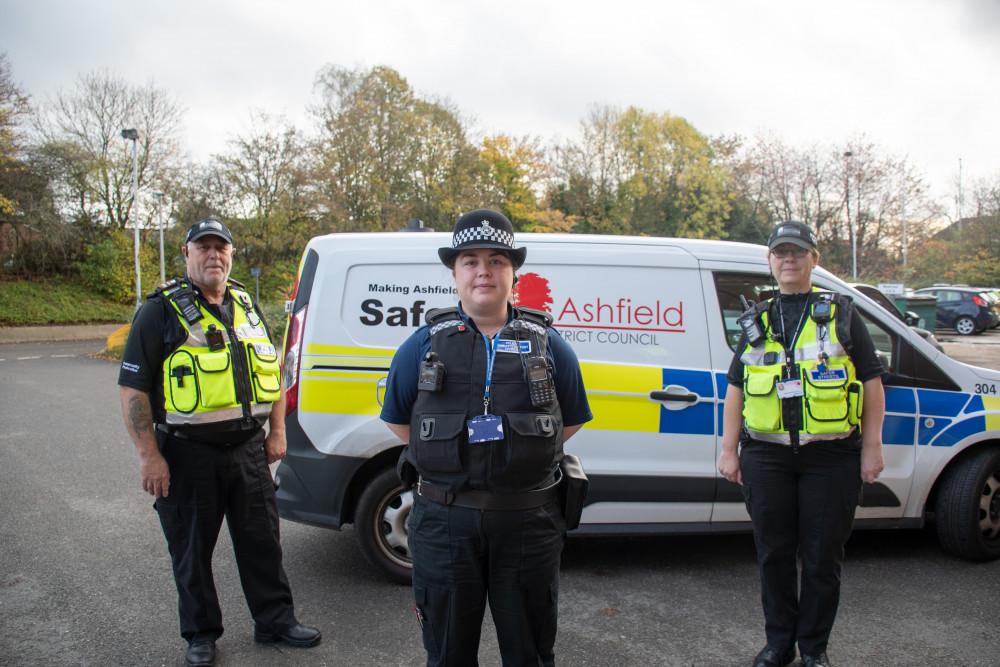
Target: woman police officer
x,y
471,394
798,391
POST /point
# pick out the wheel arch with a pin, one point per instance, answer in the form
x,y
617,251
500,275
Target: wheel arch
x,y
972,450
387,458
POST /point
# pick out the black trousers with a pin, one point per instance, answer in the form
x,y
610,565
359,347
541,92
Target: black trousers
x,y
802,505
464,557
207,483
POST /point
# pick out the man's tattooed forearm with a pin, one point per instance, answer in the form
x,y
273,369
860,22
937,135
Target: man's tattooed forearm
x,y
139,417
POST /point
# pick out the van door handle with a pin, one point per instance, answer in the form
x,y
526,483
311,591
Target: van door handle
x,y
676,396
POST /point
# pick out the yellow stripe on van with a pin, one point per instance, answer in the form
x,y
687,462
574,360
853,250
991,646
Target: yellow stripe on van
x,y
619,396
343,393
348,351
992,406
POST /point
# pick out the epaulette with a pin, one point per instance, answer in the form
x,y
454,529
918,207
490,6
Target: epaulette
x,y
163,287
433,314
237,283
541,317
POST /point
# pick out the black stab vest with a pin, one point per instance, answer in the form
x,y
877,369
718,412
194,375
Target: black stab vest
x,y
439,448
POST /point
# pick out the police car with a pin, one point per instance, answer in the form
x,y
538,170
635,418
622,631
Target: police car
x,y
653,321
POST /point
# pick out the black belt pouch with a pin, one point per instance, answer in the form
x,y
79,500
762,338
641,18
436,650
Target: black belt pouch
x,y
572,490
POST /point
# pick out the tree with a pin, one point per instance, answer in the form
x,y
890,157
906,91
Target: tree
x,y
854,194
386,155
32,238
642,173
80,133
262,179
518,172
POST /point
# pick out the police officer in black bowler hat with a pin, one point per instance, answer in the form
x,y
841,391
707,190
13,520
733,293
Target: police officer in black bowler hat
x,y
485,395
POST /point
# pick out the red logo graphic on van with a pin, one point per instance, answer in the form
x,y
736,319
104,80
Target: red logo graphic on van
x,y
532,291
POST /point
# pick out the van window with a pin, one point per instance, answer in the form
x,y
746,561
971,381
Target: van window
x,y
729,287
884,340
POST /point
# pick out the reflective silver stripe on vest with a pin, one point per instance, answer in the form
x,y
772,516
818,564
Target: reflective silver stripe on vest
x,y
214,416
753,357
804,438
196,336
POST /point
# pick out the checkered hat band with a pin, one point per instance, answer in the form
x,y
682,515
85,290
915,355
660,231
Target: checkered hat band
x,y
483,233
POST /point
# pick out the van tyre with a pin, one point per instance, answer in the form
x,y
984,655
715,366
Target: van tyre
x,y
968,507
380,525
965,325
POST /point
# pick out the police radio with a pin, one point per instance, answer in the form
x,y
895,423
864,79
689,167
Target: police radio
x,y
539,382
750,323
431,375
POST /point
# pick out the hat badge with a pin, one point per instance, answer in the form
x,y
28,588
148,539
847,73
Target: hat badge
x,y
486,229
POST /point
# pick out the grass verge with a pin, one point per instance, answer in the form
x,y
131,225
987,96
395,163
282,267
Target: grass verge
x,y
56,300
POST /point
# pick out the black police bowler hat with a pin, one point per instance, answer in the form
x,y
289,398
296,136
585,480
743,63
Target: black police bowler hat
x,y
206,227
793,232
482,228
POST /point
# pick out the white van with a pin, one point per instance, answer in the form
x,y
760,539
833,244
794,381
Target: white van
x,y
653,321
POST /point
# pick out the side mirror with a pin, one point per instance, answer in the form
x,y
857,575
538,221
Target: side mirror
x,y
912,318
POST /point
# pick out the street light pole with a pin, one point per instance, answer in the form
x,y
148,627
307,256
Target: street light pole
x,y
847,195
904,220
133,135
159,196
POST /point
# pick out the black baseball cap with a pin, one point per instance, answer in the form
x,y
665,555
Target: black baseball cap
x,y
482,228
206,227
794,232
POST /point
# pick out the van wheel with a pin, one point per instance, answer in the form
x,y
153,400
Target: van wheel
x,y
380,525
965,325
968,507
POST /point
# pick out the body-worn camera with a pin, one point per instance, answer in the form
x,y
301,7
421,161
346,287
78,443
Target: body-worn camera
x,y
431,375
822,312
540,383
214,337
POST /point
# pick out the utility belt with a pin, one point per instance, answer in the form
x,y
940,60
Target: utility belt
x,y
804,438
223,439
484,500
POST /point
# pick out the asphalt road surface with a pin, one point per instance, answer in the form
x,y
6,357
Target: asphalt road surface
x,y
85,577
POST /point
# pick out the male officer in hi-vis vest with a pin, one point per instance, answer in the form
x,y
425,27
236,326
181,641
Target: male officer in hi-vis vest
x,y
802,429
200,376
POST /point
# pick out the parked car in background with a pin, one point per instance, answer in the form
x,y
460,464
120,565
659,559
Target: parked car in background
x,y
967,310
909,317
993,296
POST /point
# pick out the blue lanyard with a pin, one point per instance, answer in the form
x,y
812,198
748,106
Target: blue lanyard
x,y
491,355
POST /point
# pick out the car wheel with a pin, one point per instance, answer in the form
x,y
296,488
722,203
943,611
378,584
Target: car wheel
x,y
380,526
968,507
965,325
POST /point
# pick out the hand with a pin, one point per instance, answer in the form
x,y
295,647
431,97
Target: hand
x,y
155,474
274,446
872,462
729,466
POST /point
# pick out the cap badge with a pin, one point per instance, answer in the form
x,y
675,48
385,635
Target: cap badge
x,y
486,229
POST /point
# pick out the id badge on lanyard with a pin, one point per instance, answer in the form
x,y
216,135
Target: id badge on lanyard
x,y
486,427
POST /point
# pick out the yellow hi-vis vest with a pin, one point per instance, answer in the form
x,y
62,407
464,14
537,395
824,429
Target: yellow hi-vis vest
x,y
832,396
240,379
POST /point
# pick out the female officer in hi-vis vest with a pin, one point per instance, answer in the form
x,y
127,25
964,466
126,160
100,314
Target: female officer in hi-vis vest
x,y
802,429
485,395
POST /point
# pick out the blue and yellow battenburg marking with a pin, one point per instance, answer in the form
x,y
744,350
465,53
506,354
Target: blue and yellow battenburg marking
x,y
344,380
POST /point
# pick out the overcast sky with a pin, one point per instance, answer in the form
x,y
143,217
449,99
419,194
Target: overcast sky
x,y
917,77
